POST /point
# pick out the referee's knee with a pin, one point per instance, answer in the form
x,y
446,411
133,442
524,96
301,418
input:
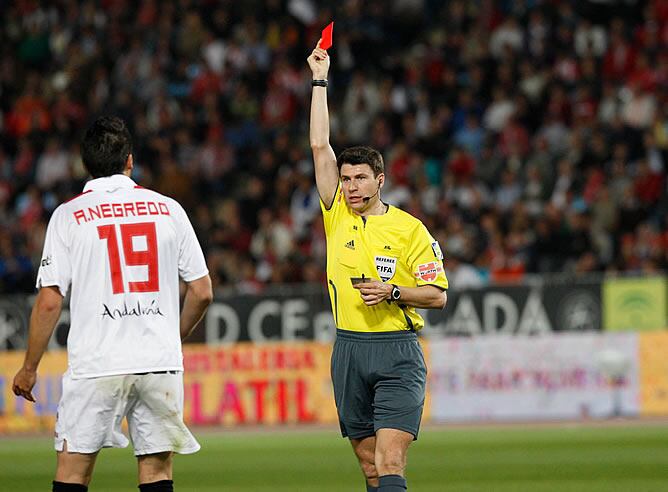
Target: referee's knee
x,y
367,464
390,462
369,469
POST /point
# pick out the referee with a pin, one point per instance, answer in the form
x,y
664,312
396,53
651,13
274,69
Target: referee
x,y
382,263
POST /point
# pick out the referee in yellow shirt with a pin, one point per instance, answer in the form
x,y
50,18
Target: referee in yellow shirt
x,y
382,263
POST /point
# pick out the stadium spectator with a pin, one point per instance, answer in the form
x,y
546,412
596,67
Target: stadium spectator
x,y
462,91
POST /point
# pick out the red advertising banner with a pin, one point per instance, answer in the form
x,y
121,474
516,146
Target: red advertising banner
x,y
285,383
258,384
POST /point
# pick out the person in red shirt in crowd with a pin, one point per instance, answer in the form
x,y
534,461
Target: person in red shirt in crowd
x,y
619,59
648,185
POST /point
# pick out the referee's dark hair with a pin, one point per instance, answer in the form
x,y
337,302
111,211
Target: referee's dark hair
x,y
362,155
106,147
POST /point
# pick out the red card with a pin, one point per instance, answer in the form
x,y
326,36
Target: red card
x,y
326,42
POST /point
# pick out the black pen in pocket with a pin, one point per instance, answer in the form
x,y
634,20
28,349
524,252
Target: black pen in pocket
x,y
360,280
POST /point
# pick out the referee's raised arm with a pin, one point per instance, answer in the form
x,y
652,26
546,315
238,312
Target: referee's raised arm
x,y
326,171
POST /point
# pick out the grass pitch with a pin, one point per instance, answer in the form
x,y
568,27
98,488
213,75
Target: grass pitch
x,y
568,458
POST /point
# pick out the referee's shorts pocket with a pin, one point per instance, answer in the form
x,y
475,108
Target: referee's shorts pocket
x,y
353,394
400,387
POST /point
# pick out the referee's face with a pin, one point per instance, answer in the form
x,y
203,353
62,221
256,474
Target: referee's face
x,y
359,183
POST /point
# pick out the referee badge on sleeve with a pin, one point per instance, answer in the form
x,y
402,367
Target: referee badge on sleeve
x,y
428,272
386,266
436,248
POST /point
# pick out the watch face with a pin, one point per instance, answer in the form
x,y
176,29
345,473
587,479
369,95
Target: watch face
x,y
396,293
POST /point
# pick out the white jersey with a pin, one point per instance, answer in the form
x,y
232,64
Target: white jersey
x,y
123,249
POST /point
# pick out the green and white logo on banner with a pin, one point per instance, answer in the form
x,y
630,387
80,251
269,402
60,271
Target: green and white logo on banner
x,y
635,304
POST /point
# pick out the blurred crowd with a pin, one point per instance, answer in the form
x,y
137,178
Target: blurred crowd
x,y
529,136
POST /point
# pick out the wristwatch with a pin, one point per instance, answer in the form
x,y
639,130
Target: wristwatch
x,y
395,295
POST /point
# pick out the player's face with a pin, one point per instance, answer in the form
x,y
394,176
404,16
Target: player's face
x,y
358,182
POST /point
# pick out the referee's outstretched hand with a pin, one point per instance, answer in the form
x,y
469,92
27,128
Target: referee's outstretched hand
x,y
319,62
24,381
374,292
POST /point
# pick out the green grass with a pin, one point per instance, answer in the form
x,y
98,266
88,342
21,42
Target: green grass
x,y
509,459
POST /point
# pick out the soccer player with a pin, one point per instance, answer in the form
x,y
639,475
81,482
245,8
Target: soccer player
x,y
122,248
382,263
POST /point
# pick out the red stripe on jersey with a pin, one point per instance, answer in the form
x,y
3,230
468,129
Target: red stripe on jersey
x,y
80,194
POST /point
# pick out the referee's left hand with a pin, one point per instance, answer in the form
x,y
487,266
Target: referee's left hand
x,y
374,292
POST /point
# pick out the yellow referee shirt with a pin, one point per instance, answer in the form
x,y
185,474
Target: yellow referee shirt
x,y
394,247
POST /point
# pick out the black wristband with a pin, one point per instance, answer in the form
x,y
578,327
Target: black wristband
x,y
319,83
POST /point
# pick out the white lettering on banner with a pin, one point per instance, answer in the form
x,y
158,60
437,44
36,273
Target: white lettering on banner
x,y
292,317
257,316
555,376
324,329
534,319
293,320
293,314
221,313
12,323
465,319
492,303
500,315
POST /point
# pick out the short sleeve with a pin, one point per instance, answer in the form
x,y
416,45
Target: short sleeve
x,y
330,214
192,264
426,259
55,267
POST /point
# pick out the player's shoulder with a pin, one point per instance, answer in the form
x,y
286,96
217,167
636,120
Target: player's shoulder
x,y
61,210
76,198
71,204
61,218
149,194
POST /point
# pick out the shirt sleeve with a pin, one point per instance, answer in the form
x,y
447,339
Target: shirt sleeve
x,y
425,259
192,264
55,267
330,214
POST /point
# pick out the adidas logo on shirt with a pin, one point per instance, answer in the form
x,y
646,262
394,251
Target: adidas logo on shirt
x,y
350,244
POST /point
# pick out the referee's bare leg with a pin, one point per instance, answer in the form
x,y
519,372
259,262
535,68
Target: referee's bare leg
x,y
383,459
391,449
365,450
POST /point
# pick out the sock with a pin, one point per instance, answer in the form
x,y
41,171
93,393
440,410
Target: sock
x,y
371,488
69,487
392,483
160,486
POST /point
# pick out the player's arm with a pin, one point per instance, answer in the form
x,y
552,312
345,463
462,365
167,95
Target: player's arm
x,y
199,295
43,319
423,296
326,171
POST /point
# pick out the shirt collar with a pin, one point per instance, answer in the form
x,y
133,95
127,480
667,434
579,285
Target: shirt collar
x,y
109,183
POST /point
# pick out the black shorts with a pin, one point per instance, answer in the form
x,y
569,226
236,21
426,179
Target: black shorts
x,y
379,382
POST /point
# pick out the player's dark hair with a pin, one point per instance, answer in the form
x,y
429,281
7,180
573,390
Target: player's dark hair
x,y
106,147
362,155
